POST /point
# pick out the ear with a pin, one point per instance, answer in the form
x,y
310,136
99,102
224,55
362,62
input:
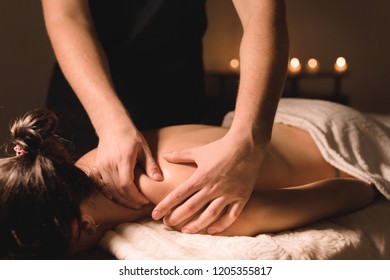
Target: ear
x,y
88,224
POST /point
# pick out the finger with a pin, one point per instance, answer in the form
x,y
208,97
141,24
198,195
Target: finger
x,y
129,191
174,198
188,209
110,185
94,174
137,200
151,167
110,179
183,156
207,217
231,215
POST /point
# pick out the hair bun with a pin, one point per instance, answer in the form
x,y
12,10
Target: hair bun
x,y
32,129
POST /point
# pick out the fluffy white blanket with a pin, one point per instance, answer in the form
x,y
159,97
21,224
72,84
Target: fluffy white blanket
x,y
347,139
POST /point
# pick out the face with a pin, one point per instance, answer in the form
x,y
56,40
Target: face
x,y
97,209
97,216
86,234
87,237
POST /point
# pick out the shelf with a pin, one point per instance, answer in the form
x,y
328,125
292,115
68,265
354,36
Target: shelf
x,y
293,87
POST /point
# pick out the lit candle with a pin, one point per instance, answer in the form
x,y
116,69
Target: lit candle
x,y
312,66
294,66
341,65
234,64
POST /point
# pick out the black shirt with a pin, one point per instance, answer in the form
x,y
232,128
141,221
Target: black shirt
x,y
154,48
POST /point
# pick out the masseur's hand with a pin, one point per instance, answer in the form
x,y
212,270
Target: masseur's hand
x,y
117,154
218,190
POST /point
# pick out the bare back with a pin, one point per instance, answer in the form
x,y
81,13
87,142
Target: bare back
x,y
292,158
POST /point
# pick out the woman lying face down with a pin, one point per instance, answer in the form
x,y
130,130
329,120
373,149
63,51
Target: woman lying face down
x,y
50,208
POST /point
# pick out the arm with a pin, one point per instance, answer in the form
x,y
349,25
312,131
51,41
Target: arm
x,y
84,64
263,57
235,159
284,209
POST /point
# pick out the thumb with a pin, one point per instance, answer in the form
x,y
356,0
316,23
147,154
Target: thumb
x,y
152,169
183,156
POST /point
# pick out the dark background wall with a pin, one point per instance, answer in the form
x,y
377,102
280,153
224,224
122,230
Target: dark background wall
x,y
357,30
25,60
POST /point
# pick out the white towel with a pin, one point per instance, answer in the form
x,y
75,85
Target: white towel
x,y
361,235
349,140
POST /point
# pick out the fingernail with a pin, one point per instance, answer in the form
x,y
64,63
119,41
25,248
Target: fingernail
x,y
211,230
185,230
157,176
156,215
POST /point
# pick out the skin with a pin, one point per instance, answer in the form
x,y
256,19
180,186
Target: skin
x,y
294,186
263,60
236,156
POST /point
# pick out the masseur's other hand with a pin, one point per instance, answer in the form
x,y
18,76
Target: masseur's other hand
x,y
117,154
218,190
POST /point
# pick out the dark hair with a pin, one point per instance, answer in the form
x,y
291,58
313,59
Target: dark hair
x,y
40,191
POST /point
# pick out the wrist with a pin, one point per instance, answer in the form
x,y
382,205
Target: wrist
x,y
247,142
114,121
253,134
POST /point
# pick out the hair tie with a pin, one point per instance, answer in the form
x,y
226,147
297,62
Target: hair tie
x,y
19,150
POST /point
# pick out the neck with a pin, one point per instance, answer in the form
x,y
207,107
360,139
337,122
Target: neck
x,y
109,214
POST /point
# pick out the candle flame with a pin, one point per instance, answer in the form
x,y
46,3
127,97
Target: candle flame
x,y
341,65
312,63
234,63
341,62
295,63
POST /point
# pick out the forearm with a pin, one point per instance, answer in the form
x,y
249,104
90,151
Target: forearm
x,y
83,61
263,63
